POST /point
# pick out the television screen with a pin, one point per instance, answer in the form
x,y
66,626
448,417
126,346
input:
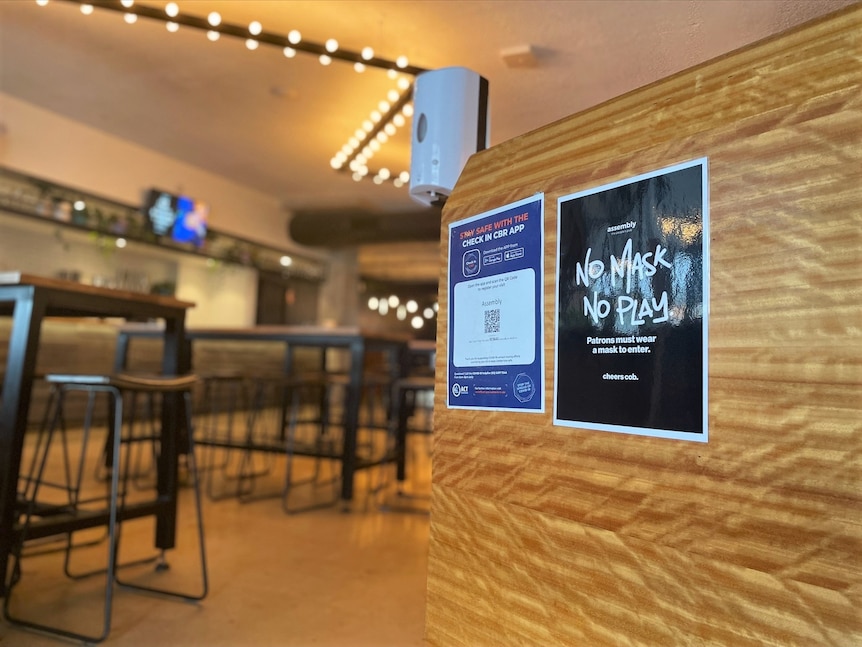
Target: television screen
x,y
178,217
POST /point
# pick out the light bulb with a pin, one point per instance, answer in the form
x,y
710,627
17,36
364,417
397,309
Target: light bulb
x,y
251,44
172,9
86,9
42,3
289,52
331,45
213,36
172,27
325,60
130,18
127,3
392,95
417,322
367,53
384,173
358,67
294,37
255,28
214,19
401,62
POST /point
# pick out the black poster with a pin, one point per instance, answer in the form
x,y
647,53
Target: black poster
x,y
632,305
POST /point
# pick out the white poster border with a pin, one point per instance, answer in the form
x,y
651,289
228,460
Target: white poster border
x,y
624,429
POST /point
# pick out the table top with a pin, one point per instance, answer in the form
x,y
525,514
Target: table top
x,y
275,332
8,279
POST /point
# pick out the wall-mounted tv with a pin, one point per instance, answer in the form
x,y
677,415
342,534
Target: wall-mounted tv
x,y
178,217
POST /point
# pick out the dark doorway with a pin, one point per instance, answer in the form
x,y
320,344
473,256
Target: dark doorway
x,y
286,300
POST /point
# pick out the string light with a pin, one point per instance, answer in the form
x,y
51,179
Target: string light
x,y
384,305
392,112
171,13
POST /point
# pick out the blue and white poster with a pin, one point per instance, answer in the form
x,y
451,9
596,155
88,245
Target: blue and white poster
x,y
495,345
632,305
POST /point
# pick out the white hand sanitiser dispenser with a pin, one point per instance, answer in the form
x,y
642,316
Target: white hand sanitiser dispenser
x,y
450,123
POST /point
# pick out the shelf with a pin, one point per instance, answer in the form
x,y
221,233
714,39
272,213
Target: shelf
x,y
35,198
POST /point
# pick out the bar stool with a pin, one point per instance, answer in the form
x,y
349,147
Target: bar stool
x,y
225,397
78,508
291,416
407,393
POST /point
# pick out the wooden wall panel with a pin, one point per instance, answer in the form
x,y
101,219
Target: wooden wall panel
x,y
544,535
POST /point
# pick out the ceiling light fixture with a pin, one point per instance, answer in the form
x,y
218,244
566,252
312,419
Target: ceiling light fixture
x,y
171,13
393,110
383,122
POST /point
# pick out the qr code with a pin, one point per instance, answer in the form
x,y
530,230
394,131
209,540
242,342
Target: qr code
x,y
492,320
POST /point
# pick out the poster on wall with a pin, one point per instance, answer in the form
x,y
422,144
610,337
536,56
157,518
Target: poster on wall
x,y
495,345
632,305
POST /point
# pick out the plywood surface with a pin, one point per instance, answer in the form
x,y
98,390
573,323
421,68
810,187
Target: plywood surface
x,y
544,535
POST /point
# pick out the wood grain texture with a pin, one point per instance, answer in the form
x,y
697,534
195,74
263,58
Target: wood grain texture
x,y
544,535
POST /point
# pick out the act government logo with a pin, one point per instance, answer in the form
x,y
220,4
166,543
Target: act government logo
x,y
457,390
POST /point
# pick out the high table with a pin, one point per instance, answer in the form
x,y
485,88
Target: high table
x,y
28,300
357,341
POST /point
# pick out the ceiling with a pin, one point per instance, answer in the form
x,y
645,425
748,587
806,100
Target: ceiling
x,y
274,123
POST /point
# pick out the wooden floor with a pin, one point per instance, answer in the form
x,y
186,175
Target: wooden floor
x,y
321,577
